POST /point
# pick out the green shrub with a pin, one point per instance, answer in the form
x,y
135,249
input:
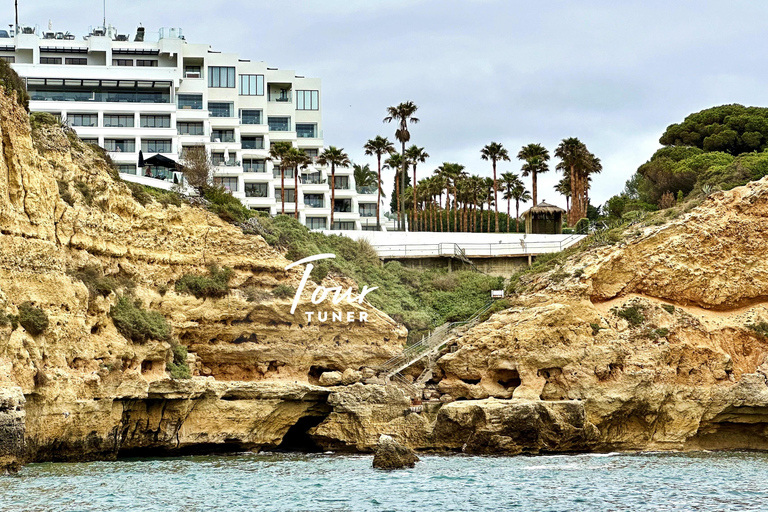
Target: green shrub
x,y
582,226
12,82
226,206
215,284
253,294
66,194
669,308
178,368
283,291
86,191
595,329
136,324
761,328
559,276
162,289
661,332
98,284
578,272
445,282
40,119
632,314
139,193
164,197
32,318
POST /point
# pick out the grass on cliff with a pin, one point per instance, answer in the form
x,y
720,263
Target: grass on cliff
x,y
419,299
178,368
225,205
215,284
137,324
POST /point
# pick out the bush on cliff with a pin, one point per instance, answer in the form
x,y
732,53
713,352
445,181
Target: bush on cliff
x,y
12,82
215,284
32,318
178,368
225,205
100,285
136,324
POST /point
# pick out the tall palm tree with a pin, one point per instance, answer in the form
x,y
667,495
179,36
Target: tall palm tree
x,y
535,158
577,163
277,152
440,185
489,184
334,156
378,146
402,114
452,173
519,193
395,162
509,181
297,160
563,187
495,152
415,155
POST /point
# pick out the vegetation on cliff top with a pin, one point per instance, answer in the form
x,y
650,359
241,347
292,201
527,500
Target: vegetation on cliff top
x,y
12,83
215,284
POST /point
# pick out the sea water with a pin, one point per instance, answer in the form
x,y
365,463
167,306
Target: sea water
x,y
298,482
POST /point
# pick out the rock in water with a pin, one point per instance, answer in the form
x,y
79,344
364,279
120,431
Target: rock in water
x,y
11,429
392,455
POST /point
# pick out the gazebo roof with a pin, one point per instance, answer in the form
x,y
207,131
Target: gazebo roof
x,y
543,208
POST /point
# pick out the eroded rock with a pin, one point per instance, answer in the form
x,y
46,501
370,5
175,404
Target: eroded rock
x,y
392,455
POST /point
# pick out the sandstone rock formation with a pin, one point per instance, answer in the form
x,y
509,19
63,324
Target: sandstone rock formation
x,y
392,455
12,429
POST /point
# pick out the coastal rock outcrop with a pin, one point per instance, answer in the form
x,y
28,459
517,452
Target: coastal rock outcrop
x,y
392,455
12,429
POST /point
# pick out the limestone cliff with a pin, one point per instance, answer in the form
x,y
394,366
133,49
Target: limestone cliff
x,y
89,391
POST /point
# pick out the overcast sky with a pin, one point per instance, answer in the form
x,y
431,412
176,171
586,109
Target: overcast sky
x,y
614,74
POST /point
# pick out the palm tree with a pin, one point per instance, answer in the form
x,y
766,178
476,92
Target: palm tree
x,y
535,157
402,113
489,186
295,159
334,156
395,162
440,185
452,174
509,181
378,146
415,155
495,152
519,193
563,187
277,153
577,163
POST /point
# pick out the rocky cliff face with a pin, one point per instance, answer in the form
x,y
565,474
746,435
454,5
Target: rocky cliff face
x,y
89,391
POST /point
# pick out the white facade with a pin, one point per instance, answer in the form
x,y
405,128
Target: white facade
x,y
161,96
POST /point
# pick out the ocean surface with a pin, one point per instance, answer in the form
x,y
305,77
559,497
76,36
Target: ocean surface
x,y
298,482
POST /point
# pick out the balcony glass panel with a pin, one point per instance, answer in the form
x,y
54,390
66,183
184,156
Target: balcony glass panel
x,y
253,142
220,109
250,117
191,101
122,95
306,130
280,124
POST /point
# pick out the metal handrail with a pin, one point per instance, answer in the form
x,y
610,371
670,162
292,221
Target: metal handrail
x,y
469,250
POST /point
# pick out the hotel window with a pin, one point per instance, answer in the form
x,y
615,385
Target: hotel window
x,y
279,124
287,173
50,60
83,119
290,195
370,228
189,128
120,145
220,109
72,61
222,135
253,165
250,117
191,101
313,178
156,146
311,153
146,63
251,85
155,121
367,209
220,76
306,130
228,183
7,58
341,182
253,142
342,206
218,159
313,200
91,141
347,226
307,100
118,121
122,62
256,190
126,168
316,222
193,72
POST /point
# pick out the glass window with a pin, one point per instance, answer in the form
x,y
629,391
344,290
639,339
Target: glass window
x,y
126,168
367,209
370,228
156,145
290,195
217,158
279,124
146,63
50,60
155,121
221,76
314,178
254,165
256,142
256,190
316,222
288,173
118,121
313,200
120,145
83,119
307,100
251,85
96,90
342,206
222,135
193,72
122,62
250,117
220,109
8,58
341,183
189,128
306,130
75,61
191,101
311,153
228,183
90,141
344,225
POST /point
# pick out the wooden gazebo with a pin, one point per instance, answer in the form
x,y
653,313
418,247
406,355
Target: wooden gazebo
x,y
544,219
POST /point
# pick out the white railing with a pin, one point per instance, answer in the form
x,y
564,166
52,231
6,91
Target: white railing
x,y
469,250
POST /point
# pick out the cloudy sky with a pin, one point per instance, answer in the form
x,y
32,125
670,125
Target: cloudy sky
x,y
614,74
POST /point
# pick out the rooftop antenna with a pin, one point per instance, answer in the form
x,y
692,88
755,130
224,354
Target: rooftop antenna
x,y
104,20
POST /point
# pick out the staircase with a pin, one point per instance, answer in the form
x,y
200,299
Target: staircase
x,y
428,346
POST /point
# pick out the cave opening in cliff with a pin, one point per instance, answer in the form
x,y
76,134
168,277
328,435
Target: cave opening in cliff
x,y
509,379
313,377
298,439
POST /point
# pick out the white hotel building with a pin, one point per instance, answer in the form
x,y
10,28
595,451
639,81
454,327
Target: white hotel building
x,y
128,94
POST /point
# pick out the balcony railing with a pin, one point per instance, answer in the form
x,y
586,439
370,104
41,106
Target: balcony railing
x,y
313,180
253,144
280,96
276,174
222,138
366,190
227,163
